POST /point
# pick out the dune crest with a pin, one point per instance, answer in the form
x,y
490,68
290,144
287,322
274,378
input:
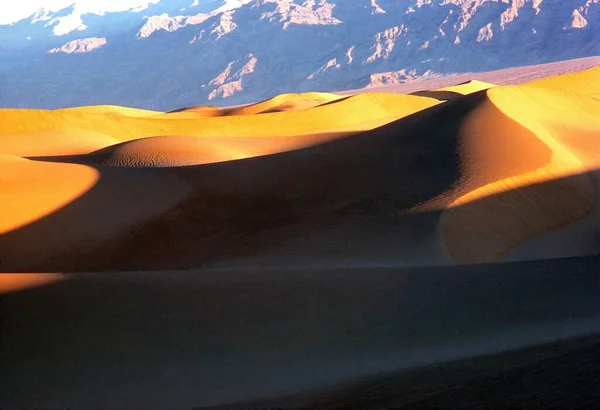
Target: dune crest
x,y
457,175
32,190
561,188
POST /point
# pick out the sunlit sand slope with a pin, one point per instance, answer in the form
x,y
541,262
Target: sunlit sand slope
x,y
562,127
581,82
469,87
173,151
357,113
65,141
283,102
298,179
110,110
455,91
32,190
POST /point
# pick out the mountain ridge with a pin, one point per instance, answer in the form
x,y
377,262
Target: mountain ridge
x,y
297,46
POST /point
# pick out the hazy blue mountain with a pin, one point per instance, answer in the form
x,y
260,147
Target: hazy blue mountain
x,y
182,52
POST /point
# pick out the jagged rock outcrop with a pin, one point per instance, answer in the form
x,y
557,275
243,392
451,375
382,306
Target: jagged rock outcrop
x,y
84,45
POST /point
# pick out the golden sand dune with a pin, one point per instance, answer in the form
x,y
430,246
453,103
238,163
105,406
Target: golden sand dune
x,y
12,282
173,151
582,82
555,150
469,87
54,142
51,209
302,178
455,91
285,243
357,113
32,190
110,110
282,102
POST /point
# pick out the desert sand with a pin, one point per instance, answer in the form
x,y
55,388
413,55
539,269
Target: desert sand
x,y
218,255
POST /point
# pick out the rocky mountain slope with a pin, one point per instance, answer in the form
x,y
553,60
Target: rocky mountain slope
x,y
173,53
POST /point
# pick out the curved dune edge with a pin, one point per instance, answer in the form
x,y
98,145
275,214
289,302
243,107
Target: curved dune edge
x,y
455,91
582,82
174,151
279,103
349,114
469,87
486,229
32,190
88,222
14,282
496,165
487,222
109,110
54,142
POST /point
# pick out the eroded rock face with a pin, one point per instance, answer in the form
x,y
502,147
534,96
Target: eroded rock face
x,y
84,45
302,45
309,12
229,82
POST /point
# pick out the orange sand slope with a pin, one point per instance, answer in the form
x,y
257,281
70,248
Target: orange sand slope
x,y
306,179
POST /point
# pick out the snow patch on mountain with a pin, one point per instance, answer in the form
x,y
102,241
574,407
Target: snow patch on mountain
x,y
225,25
309,13
375,9
170,24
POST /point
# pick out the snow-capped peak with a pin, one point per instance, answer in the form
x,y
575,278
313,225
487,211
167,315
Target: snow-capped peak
x,y
42,10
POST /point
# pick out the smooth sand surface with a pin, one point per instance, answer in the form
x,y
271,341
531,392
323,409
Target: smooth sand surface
x,y
553,375
292,244
110,109
454,91
349,114
282,102
54,142
199,338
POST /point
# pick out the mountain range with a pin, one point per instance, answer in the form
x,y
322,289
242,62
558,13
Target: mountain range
x,y
171,53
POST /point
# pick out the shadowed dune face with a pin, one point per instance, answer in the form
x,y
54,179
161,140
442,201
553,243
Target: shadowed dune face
x,y
454,91
179,339
514,132
33,190
311,178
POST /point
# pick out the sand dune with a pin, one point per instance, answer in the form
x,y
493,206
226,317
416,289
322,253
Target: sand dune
x,y
582,82
110,110
32,190
340,180
182,339
66,141
292,244
283,102
358,113
173,151
538,158
454,91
